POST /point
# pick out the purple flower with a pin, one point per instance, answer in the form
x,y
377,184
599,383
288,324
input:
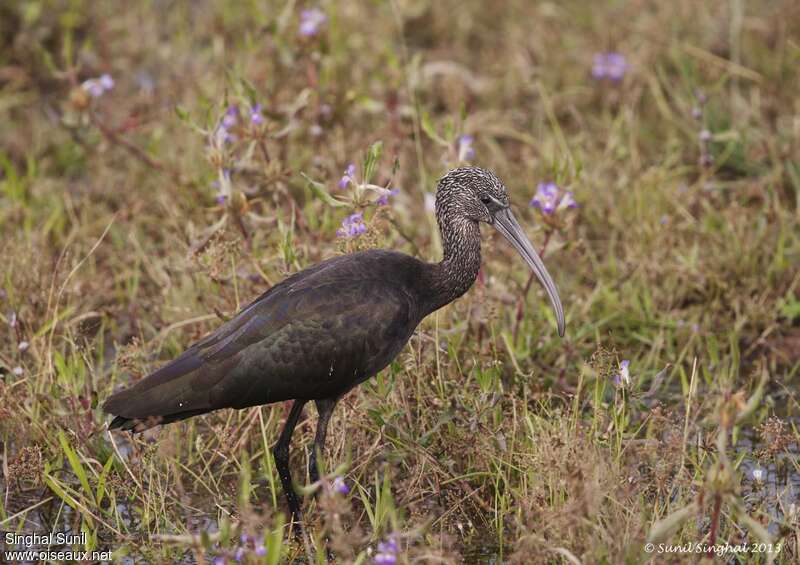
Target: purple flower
x,y
310,22
106,81
389,546
340,486
610,66
384,559
387,552
348,177
222,136
352,226
705,136
231,117
546,197
383,200
255,115
567,201
245,539
219,560
465,150
17,371
549,198
623,377
239,554
96,87
261,550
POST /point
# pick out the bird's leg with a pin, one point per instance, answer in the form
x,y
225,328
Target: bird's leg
x,y
324,409
280,452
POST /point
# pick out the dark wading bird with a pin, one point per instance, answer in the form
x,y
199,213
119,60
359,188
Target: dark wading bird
x,y
324,330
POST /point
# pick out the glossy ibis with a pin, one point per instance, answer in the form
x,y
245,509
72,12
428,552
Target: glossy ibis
x,y
322,331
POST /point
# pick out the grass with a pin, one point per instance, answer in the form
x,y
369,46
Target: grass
x,y
488,437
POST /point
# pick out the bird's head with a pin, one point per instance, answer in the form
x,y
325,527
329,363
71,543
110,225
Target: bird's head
x,y
477,195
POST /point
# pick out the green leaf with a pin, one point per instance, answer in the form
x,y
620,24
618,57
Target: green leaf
x,y
182,113
274,542
249,90
790,308
430,130
101,481
75,463
318,189
371,160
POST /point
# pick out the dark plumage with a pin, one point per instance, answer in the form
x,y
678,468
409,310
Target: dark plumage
x,y
322,331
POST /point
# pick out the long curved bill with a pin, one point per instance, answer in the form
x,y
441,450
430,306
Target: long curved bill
x,y
506,224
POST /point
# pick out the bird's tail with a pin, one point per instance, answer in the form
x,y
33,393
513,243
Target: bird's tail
x,y
178,390
137,425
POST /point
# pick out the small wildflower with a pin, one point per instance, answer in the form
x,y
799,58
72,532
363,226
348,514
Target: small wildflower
x,y
219,560
697,112
567,201
387,553
239,554
231,117
348,176
623,377
384,559
758,474
245,539
255,115
663,220
383,200
546,197
705,136
389,546
17,371
12,320
23,345
352,226
96,87
261,550
549,198
315,130
340,486
311,21
106,81
222,136
465,150
612,66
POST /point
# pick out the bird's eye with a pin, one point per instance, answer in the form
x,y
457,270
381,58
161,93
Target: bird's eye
x,y
485,199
